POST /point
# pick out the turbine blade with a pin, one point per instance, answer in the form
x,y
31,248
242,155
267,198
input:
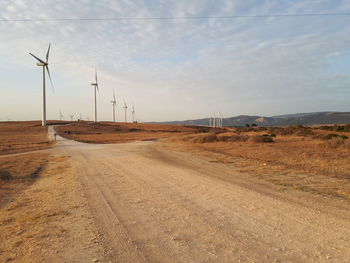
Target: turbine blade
x,y
37,58
113,96
48,72
96,76
48,52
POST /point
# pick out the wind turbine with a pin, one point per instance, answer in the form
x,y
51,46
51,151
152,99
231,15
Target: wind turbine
x,y
71,117
114,104
125,108
45,65
95,85
133,113
61,115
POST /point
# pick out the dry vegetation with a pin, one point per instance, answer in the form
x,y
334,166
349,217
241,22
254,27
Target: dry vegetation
x,y
23,136
309,159
107,132
17,173
21,170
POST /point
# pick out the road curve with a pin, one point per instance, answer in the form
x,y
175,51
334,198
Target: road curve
x,y
157,206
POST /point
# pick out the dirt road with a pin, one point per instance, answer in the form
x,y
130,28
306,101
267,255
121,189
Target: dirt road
x,y
157,206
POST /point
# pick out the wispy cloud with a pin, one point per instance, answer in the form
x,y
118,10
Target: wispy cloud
x,y
178,69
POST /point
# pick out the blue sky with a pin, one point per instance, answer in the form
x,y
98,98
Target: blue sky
x,y
177,69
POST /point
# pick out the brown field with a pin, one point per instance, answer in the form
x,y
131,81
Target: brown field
x,y
23,136
22,169
86,203
304,158
307,159
107,132
16,173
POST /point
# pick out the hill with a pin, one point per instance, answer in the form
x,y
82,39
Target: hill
x,y
312,118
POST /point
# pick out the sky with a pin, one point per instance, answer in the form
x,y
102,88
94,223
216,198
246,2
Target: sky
x,y
175,69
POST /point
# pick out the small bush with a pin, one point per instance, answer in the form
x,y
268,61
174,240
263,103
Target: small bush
x,y
335,142
211,137
5,175
333,135
233,138
260,138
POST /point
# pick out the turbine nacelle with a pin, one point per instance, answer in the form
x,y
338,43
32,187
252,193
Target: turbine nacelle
x,y
40,64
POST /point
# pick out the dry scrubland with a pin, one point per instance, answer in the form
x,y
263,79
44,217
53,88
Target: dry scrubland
x,y
23,136
105,132
19,171
41,202
305,158
314,159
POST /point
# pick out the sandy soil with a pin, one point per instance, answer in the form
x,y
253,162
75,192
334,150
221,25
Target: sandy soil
x,y
153,205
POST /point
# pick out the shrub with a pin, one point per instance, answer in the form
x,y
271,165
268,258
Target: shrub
x,y
211,137
335,142
260,138
233,138
5,175
333,135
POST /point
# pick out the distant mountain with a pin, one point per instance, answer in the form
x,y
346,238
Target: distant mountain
x,y
280,120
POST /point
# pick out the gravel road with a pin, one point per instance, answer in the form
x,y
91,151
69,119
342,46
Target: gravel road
x,y
152,205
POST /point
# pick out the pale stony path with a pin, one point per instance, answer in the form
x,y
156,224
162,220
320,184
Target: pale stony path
x,y
156,206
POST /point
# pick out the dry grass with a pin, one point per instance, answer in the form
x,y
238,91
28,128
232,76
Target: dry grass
x,y
18,172
107,132
22,136
301,158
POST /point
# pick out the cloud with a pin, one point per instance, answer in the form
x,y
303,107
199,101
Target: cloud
x,y
243,65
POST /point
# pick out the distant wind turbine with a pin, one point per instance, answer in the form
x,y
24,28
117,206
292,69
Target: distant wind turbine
x,y
71,116
61,115
133,114
95,85
114,104
45,65
125,109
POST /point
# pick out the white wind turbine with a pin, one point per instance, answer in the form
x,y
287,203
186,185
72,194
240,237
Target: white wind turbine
x,y
71,117
125,109
45,65
133,114
95,85
61,115
114,105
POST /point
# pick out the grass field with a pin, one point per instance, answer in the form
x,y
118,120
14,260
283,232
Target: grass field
x,y
107,132
23,136
315,159
21,170
304,158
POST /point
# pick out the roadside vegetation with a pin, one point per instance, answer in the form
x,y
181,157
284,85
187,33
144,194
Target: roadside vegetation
x,y
306,158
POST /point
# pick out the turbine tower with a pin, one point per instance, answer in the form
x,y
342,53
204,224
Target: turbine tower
x,y
114,104
45,65
133,113
95,85
125,108
61,115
